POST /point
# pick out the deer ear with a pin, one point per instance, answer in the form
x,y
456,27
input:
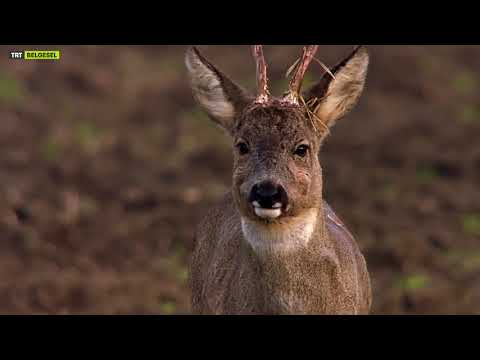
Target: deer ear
x,y
331,98
220,97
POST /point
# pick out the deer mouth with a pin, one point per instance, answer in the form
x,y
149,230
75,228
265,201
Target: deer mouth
x,y
268,199
267,213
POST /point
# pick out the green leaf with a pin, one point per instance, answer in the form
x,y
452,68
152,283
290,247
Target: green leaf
x,y
168,307
471,224
470,113
414,282
465,82
11,90
51,150
426,174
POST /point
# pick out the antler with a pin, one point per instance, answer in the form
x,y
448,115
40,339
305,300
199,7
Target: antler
x,y
296,81
262,87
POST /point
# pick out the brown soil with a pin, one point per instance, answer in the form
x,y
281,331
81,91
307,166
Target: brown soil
x,y
107,164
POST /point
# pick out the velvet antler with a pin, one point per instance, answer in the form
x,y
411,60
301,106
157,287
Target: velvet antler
x,y
262,87
295,84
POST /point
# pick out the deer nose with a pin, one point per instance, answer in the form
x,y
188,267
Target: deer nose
x,y
268,195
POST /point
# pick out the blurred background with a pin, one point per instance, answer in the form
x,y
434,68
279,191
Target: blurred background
x,y
107,164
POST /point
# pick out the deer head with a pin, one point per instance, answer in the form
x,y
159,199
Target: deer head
x,y
277,174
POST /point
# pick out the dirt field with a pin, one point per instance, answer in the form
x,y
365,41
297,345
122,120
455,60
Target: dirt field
x,y
107,164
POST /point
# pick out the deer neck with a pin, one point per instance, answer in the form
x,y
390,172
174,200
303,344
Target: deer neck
x,y
284,255
287,236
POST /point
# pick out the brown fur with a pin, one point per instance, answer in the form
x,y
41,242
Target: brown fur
x,y
305,261
227,277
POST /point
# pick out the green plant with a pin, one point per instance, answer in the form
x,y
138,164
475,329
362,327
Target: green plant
x,y
168,307
413,282
11,90
465,82
471,224
50,150
470,113
426,174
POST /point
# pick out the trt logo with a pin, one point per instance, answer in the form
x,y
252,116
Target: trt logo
x,y
16,54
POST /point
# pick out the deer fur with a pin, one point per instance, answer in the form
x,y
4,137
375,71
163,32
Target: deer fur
x,y
298,258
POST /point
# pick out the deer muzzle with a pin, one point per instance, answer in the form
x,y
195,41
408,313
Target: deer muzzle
x,y
269,199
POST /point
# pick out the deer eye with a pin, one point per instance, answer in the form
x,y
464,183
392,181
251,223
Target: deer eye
x,y
301,150
242,148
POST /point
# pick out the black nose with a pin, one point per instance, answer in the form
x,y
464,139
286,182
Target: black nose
x,y
267,194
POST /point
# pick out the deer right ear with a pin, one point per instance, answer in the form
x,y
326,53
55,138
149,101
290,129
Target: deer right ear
x,y
220,97
334,97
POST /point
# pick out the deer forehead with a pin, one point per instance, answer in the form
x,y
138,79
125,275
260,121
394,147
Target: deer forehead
x,y
274,124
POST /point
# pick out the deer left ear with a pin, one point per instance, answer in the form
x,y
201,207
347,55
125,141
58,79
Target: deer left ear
x,y
332,98
219,96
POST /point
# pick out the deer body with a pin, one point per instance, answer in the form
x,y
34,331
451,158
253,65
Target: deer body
x,y
272,245
328,276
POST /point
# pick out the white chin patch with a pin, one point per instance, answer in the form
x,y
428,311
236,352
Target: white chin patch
x,y
268,213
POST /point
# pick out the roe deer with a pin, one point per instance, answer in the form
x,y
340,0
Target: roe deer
x,y
272,245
